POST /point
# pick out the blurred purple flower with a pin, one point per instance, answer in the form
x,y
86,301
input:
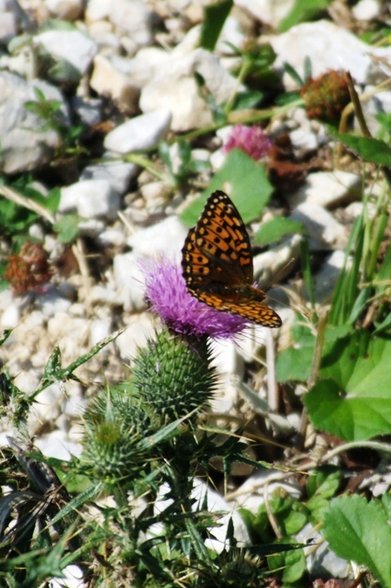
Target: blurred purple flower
x,y
167,294
252,140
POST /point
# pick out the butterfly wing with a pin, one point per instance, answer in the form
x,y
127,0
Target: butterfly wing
x,y
252,310
217,263
218,250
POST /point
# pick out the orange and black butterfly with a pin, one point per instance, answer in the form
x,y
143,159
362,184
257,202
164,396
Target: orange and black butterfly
x,y
218,265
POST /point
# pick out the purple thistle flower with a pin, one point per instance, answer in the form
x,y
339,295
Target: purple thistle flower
x,y
252,140
168,296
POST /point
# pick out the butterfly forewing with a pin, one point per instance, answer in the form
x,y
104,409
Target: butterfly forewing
x,y
217,263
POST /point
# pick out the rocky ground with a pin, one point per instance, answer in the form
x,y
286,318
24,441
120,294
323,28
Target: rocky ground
x,y
105,83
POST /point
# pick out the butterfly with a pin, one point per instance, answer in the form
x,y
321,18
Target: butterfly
x,y
217,263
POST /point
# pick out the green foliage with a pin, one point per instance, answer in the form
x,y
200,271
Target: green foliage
x,y
303,10
294,363
49,111
250,188
351,397
67,228
275,229
359,530
215,16
367,148
183,165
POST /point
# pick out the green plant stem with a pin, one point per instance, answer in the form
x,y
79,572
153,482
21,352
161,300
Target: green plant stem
x,y
375,445
247,116
144,162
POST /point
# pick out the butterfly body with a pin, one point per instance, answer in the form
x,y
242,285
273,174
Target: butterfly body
x,y
218,266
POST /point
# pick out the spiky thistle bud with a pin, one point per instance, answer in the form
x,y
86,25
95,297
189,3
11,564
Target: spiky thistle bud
x,y
173,375
112,453
325,97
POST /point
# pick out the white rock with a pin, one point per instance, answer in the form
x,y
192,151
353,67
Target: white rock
x,y
324,231
103,295
328,189
251,493
91,227
75,403
134,19
107,81
321,560
10,317
202,494
65,9
25,144
140,330
91,199
267,11
346,52
156,195
100,329
118,173
326,278
73,332
380,103
129,281
174,88
97,10
89,110
73,578
8,26
271,263
56,444
166,238
53,302
139,133
144,66
47,407
228,363
366,9
111,237
71,46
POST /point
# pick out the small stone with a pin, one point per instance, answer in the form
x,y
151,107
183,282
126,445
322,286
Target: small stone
x,y
90,199
47,407
134,19
140,330
367,10
175,88
53,302
25,144
329,189
10,317
139,133
71,46
88,110
56,444
108,81
326,278
99,330
65,9
118,173
346,52
97,10
324,231
111,237
269,12
129,281
165,237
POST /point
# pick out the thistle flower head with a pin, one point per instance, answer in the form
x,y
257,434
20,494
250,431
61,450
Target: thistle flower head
x,y
167,294
252,140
